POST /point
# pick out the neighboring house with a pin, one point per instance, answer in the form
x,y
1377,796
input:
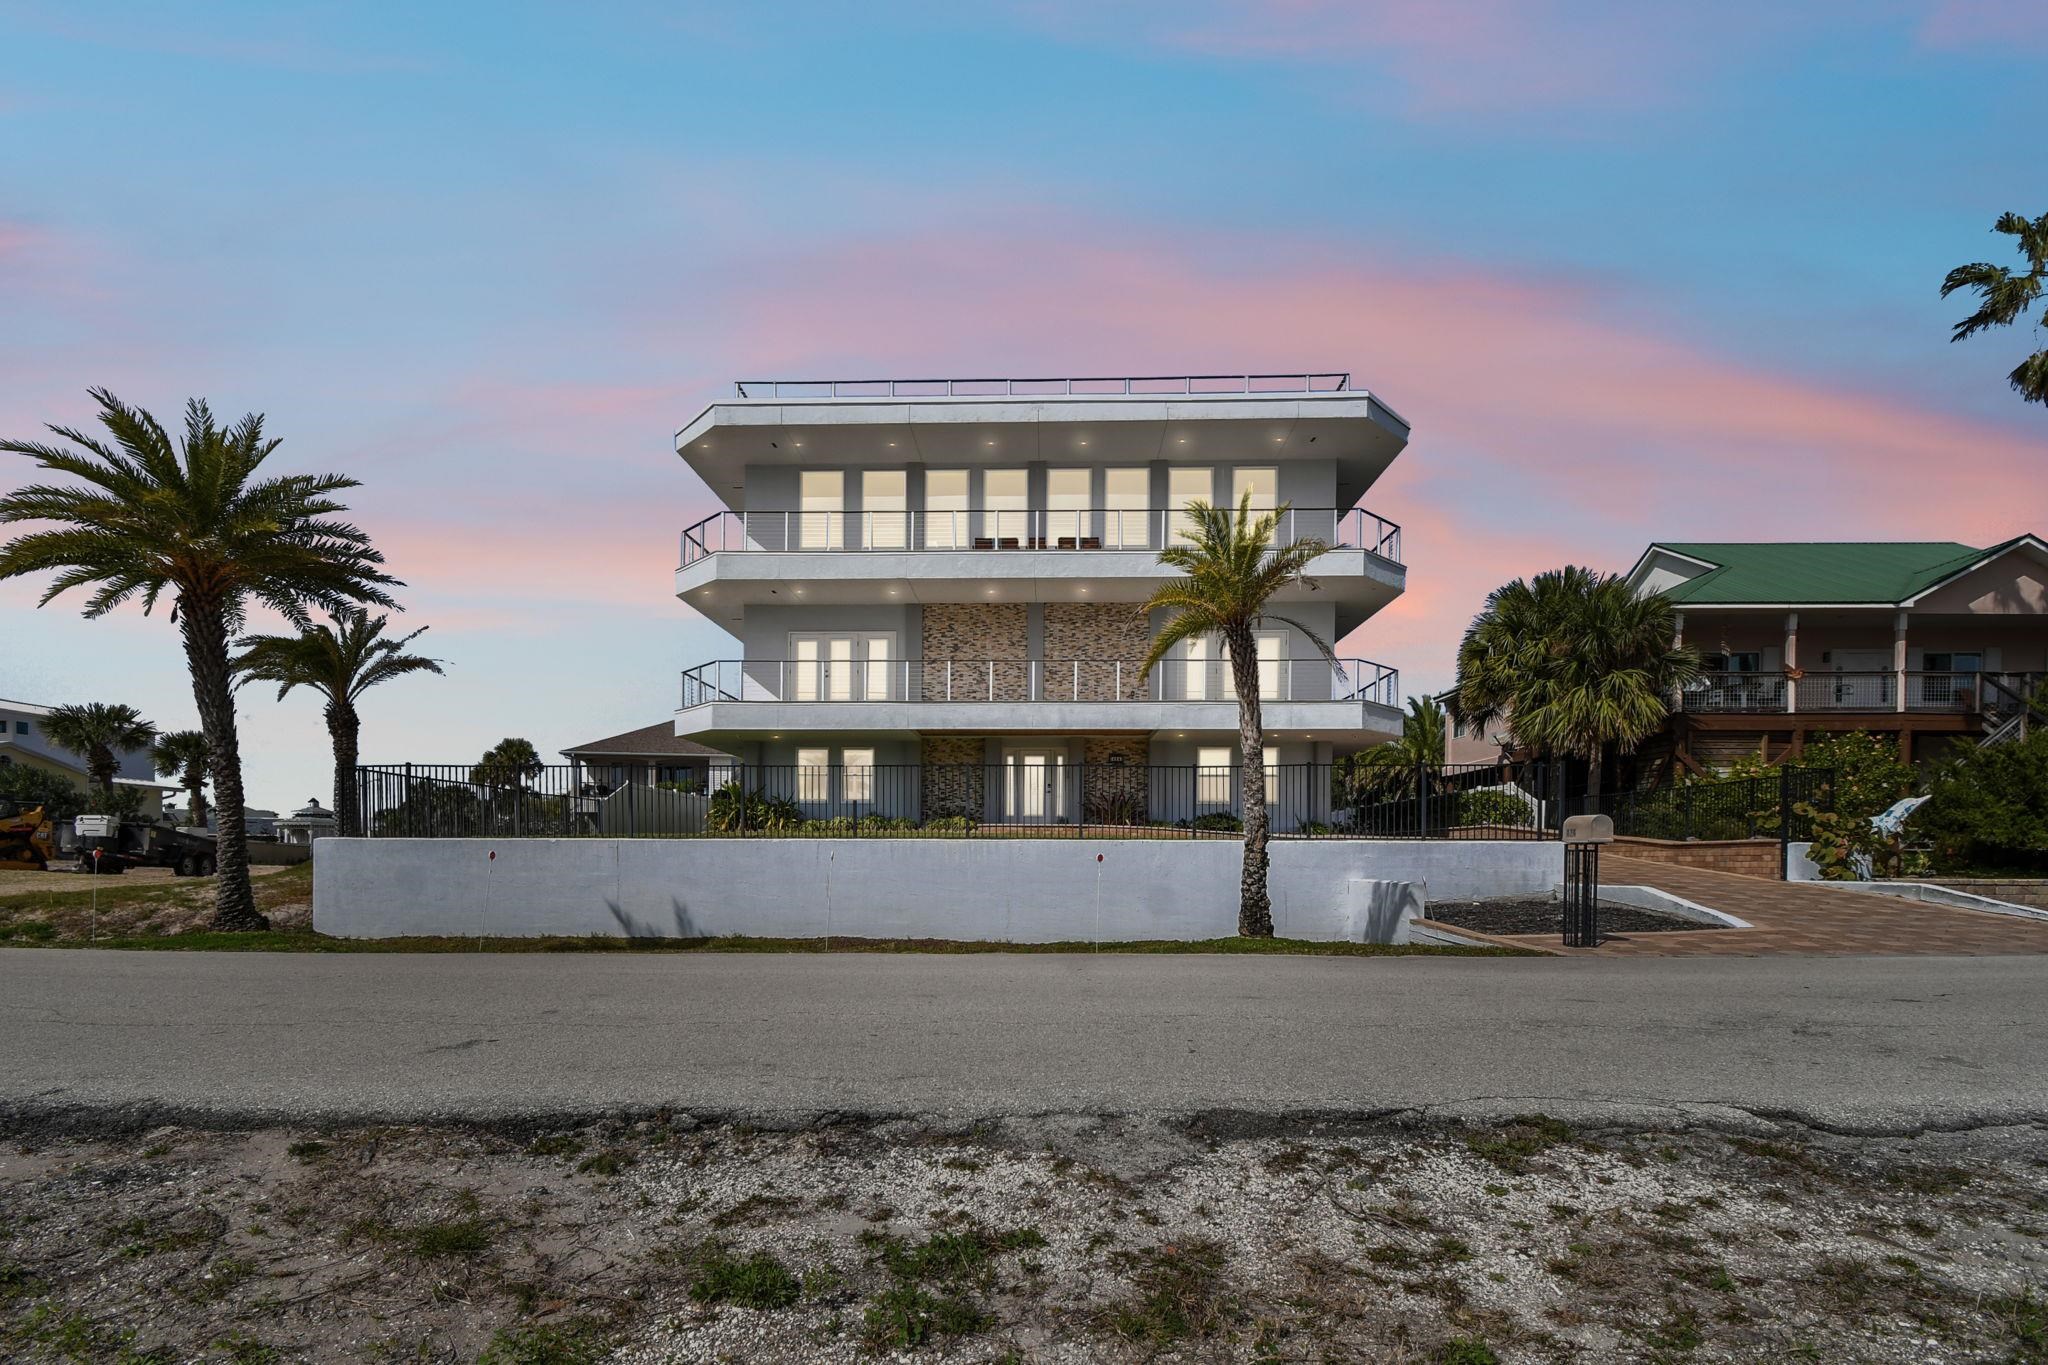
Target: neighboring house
x,y
937,587
309,822
650,755
1471,744
22,741
1927,641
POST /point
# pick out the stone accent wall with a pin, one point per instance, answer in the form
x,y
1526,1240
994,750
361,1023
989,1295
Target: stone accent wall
x,y
1749,857
971,634
952,776
2028,891
1113,792
1099,637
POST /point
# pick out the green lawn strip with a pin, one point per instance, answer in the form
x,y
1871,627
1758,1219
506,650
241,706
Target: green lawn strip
x,y
306,942
116,892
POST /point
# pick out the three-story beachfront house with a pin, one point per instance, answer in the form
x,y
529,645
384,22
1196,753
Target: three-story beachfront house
x,y
936,587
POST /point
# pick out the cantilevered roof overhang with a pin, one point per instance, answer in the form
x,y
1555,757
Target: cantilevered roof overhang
x,y
1350,427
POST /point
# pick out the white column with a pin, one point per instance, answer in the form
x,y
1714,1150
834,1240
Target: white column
x,y
1791,660
1899,656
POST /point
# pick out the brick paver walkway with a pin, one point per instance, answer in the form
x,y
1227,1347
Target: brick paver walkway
x,y
1802,917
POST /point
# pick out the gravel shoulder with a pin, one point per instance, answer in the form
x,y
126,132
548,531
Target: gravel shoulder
x,y
1043,1240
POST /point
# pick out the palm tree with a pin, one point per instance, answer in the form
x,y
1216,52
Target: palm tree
x,y
2005,296
510,763
1377,772
340,662
1232,570
99,733
186,755
191,518
1573,661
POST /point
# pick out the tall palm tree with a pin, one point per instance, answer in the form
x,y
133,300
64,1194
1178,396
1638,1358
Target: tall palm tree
x,y
1232,569
99,733
510,763
340,662
2005,296
1573,661
185,754
192,518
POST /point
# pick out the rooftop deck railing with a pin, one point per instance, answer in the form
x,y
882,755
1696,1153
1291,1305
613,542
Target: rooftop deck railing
x,y
1094,528
1091,386
1029,680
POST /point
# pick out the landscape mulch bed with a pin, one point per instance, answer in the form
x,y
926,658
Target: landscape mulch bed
x,y
1536,915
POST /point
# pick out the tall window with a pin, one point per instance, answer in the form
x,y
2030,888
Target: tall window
x,y
823,503
813,775
1212,777
1262,483
840,667
885,503
1066,504
945,509
1184,486
1126,498
1196,671
1273,676
1004,505
859,774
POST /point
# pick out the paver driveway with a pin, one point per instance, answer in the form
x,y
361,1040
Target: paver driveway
x,y
1802,917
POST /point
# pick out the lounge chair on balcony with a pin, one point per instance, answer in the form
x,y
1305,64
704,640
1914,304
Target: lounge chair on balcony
x,y
984,542
1007,543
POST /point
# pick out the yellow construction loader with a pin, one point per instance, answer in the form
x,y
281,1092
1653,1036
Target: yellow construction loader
x,y
27,837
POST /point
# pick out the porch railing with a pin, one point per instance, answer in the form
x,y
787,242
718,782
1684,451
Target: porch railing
x,y
1975,694
1029,680
1145,530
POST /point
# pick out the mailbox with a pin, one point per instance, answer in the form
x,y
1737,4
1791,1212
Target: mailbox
x,y
1589,829
93,826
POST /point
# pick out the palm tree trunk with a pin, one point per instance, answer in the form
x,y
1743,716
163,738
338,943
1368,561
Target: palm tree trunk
x,y
206,653
1595,761
195,796
344,727
1255,907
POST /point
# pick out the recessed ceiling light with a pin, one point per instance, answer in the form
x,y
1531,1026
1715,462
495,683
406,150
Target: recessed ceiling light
x,y
1183,440
1279,438
988,443
892,445
800,445
1084,443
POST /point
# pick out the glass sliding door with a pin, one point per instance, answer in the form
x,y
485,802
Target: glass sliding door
x,y
945,509
828,667
1126,502
822,503
1184,486
1068,525
885,508
1005,514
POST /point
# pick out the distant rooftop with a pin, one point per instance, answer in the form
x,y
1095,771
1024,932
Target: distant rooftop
x,y
1820,572
1065,386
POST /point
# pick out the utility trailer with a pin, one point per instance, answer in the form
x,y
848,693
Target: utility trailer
x,y
139,843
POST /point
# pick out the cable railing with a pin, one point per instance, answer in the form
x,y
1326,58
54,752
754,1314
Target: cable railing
x,y
1148,529
1089,386
1030,680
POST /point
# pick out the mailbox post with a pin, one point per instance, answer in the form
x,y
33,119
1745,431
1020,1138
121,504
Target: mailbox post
x,y
1583,835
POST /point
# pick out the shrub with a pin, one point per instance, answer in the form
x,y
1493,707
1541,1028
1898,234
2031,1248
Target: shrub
x,y
1868,776
734,810
952,824
1989,807
30,787
1115,808
1221,821
1488,807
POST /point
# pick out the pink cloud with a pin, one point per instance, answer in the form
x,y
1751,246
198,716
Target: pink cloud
x,y
1973,23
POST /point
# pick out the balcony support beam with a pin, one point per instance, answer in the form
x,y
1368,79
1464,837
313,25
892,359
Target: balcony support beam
x,y
1899,665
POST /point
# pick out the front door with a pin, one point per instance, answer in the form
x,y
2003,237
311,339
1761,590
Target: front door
x,y
1034,785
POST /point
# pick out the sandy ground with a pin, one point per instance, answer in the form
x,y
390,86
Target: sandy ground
x,y
1044,1240
14,880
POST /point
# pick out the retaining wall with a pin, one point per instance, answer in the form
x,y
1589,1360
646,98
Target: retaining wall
x,y
2029,891
1750,857
1011,890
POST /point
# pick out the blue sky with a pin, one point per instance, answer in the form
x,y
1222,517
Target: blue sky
x,y
1633,271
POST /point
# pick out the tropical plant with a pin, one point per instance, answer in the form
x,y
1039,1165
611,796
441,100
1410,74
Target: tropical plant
x,y
1866,776
184,754
2004,296
340,662
27,787
192,518
1232,569
1492,806
509,763
1988,807
735,810
1574,662
99,732
1379,773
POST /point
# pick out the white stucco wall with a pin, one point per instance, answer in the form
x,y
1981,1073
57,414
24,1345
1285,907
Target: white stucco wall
x,y
1014,890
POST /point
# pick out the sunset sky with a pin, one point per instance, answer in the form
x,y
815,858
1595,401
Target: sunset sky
x,y
1632,270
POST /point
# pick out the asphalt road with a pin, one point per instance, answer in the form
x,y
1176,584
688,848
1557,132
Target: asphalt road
x,y
1856,1043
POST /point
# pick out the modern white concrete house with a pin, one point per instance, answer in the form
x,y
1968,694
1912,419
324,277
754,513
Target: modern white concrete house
x,y
936,588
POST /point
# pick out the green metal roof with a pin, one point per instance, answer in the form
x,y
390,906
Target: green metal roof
x,y
1804,572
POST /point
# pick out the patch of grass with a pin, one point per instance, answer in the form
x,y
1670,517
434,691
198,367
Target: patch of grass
x,y
454,1239
607,1163
1511,1145
1180,1293
545,1344
906,1316
759,1281
755,1210
28,931
222,1278
555,1144
307,1151
1465,1351
1680,1331
2024,1322
243,1349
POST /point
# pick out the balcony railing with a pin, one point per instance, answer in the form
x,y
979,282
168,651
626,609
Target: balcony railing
x,y
1142,530
1868,691
1093,386
1029,680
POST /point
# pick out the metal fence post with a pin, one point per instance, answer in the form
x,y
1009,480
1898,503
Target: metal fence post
x,y
1421,801
1688,811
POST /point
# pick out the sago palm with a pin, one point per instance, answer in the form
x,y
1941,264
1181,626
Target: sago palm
x,y
150,515
99,733
2005,296
340,662
1232,570
185,755
1573,662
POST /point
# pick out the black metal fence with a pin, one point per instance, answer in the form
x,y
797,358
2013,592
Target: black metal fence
x,y
1040,796
1029,795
